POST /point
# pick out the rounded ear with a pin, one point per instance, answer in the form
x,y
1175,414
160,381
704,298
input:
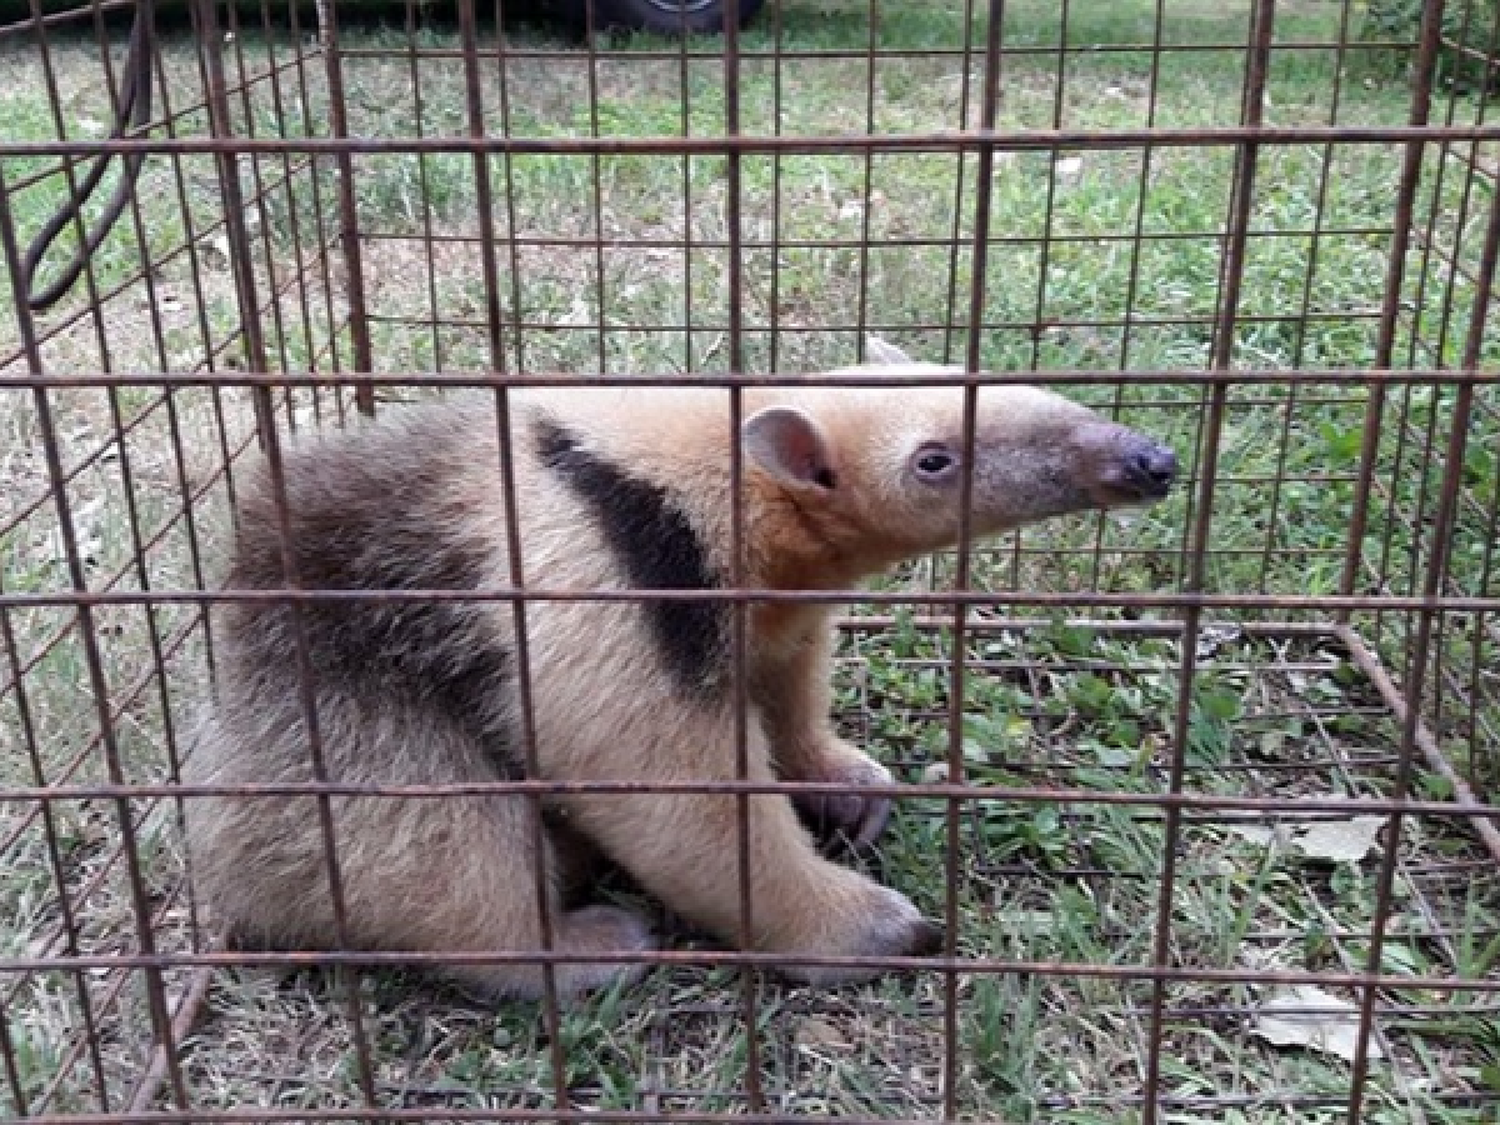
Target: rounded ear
x,y
788,444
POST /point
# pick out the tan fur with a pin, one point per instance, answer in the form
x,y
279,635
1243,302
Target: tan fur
x,y
457,873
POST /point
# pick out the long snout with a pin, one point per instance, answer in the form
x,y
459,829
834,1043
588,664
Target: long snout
x,y
1128,467
1149,468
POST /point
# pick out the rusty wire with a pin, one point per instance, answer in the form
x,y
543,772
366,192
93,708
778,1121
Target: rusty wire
x,y
267,133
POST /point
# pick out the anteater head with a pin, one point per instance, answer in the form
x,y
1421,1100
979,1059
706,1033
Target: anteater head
x,y
879,471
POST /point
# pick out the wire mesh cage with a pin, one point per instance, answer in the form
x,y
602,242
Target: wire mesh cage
x,y
1202,796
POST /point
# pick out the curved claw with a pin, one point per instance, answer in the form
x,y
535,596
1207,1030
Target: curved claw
x,y
872,823
844,820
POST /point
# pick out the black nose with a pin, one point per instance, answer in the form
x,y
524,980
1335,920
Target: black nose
x,y
1152,469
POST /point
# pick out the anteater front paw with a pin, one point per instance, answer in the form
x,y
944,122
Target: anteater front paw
x,y
853,820
876,922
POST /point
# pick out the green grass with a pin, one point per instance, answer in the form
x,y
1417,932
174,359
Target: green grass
x,y
832,241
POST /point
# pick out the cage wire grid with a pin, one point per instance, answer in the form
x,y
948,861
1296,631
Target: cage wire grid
x,y
1116,743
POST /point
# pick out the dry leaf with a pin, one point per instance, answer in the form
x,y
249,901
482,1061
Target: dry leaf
x,y
935,774
1262,834
1337,841
1341,841
577,316
815,1033
219,244
1027,922
883,351
1286,1020
1211,638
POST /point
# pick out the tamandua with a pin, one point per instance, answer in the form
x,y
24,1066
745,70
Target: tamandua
x,y
616,489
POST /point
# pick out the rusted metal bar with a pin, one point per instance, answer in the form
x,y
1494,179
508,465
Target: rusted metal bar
x,y
967,140
1058,377
1486,824
886,242
1434,603
834,54
185,1016
1060,795
1093,970
349,231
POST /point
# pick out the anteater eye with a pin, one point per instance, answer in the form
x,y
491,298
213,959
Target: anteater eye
x,y
934,463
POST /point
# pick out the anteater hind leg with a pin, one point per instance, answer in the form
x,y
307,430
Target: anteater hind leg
x,y
427,875
488,901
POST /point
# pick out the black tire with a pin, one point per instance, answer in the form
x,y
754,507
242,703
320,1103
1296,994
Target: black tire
x,y
669,17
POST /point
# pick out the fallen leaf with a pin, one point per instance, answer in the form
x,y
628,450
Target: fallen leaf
x,y
1262,834
1337,841
1214,637
576,316
1272,743
819,1033
883,351
1027,922
219,244
1341,841
1288,1019
1116,757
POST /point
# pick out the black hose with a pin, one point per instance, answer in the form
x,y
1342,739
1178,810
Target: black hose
x,y
132,112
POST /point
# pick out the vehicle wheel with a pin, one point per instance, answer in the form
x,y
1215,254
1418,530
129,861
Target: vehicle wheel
x,y
669,17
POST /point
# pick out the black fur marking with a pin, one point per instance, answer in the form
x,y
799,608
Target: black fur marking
x,y
371,526
658,548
